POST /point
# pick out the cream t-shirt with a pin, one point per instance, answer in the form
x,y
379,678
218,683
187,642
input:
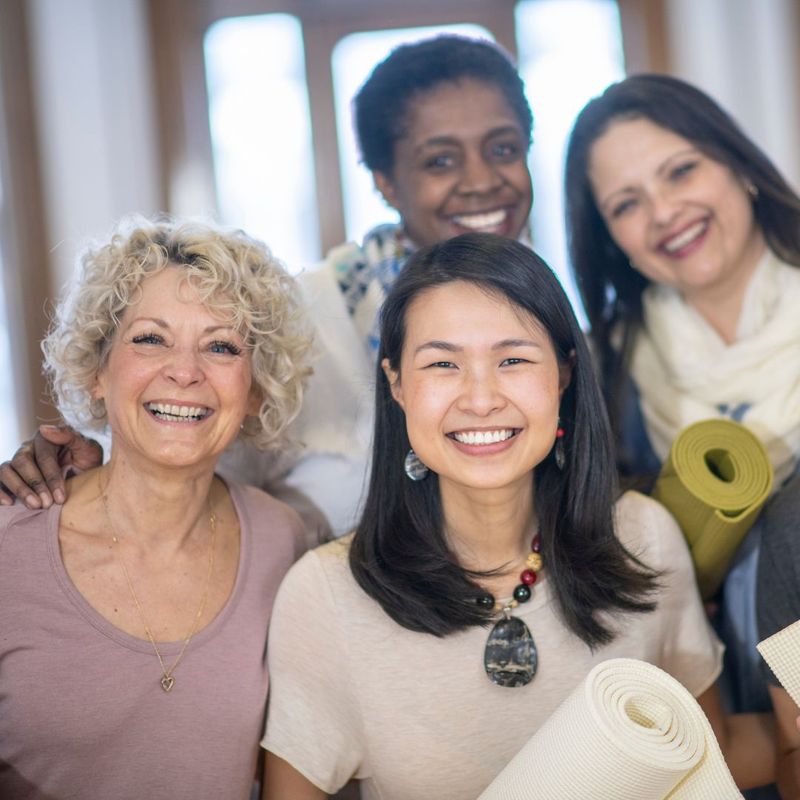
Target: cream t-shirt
x,y
411,715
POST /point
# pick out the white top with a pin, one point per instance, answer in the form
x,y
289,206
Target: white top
x,y
325,479
413,715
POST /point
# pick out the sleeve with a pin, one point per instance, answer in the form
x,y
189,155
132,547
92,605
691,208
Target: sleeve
x,y
313,716
778,575
690,650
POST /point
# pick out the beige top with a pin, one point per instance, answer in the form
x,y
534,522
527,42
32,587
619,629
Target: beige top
x,y
412,715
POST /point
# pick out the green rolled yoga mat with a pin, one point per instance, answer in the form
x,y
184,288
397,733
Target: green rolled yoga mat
x,y
715,481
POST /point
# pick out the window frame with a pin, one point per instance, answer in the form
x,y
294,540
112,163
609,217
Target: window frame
x,y
178,27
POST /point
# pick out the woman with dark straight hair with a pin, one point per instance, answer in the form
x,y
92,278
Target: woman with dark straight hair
x,y
492,567
685,244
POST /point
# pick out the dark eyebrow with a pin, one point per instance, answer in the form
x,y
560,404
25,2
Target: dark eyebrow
x,y
449,347
516,343
435,344
445,140
667,163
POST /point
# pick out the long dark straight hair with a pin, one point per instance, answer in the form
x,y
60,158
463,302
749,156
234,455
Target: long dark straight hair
x,y
610,289
399,554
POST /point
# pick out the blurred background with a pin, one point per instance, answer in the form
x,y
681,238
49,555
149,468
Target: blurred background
x,y
238,110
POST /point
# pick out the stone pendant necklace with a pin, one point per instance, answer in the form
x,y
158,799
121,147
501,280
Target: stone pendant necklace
x,y
510,657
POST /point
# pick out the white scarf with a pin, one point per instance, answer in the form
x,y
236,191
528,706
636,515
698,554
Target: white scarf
x,y
685,372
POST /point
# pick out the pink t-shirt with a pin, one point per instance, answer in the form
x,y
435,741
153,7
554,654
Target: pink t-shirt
x,y
82,713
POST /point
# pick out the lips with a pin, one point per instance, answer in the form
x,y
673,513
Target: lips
x,y
675,245
497,221
172,412
480,437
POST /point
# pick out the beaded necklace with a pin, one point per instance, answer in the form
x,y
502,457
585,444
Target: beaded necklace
x,y
510,657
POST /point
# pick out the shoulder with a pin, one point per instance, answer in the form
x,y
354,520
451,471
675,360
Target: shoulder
x,y
19,515
268,518
649,532
20,521
326,568
338,261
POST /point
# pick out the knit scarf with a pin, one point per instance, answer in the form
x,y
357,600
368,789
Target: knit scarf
x,y
366,274
685,372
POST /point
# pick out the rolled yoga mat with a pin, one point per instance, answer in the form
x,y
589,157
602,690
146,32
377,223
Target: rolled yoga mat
x,y
630,731
782,652
715,481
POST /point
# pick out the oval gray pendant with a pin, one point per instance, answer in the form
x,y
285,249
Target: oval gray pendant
x,y
510,657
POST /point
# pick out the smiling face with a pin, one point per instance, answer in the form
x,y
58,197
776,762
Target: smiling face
x,y
461,165
177,380
683,219
480,386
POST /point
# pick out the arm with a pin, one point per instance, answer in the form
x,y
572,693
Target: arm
x,y
283,782
34,474
788,768
747,741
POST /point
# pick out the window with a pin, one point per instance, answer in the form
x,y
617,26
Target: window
x,y
261,132
310,64
569,51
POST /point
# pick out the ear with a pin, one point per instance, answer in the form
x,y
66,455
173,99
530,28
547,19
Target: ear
x,y
565,373
253,402
98,390
394,382
383,183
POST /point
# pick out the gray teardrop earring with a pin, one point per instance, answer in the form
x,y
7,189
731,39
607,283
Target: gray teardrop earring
x,y
414,468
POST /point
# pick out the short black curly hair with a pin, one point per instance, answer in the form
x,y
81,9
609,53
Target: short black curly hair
x,y
381,105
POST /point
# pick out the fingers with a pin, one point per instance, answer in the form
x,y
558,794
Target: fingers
x,y
35,472
21,478
46,469
75,449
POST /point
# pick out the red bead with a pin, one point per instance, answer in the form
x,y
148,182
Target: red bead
x,y
559,433
536,544
528,577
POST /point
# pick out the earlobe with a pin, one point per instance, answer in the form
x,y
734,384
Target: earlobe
x,y
384,185
393,379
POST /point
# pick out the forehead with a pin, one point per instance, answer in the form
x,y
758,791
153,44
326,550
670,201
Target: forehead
x,y
456,108
467,314
631,147
174,289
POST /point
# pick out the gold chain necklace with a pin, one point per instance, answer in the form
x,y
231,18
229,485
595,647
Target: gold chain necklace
x,y
167,674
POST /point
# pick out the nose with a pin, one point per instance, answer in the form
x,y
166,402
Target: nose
x,y
184,367
664,206
478,175
481,394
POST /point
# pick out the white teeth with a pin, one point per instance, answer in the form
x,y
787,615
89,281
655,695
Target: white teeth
x,y
175,413
483,437
687,237
476,222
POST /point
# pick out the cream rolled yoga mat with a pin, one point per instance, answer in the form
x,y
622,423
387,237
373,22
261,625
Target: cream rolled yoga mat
x,y
630,731
782,652
715,481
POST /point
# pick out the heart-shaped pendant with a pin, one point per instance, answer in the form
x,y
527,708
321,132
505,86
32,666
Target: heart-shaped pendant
x,y
167,682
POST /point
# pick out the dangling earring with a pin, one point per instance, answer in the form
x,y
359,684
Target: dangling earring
x,y
558,451
414,468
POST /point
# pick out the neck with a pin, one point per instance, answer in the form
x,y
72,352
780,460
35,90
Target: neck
x,y
155,510
721,304
487,529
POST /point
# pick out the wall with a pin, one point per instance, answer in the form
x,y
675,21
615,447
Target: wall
x,y
745,54
95,107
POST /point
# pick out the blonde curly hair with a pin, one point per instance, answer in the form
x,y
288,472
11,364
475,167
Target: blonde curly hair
x,y
234,275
